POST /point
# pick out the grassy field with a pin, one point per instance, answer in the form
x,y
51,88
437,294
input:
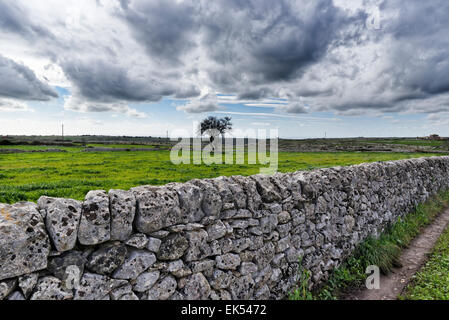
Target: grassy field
x,y
432,282
27,176
411,142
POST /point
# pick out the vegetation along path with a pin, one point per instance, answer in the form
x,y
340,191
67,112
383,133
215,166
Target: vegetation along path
x,y
412,259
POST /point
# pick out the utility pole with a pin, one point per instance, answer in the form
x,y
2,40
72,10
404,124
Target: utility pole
x,y
62,132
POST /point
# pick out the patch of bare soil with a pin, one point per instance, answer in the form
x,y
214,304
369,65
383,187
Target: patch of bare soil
x,y
412,259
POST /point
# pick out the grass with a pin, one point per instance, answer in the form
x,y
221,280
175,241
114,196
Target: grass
x,y
432,282
27,176
411,142
384,252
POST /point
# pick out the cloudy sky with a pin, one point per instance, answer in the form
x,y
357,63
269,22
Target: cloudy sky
x,y
306,67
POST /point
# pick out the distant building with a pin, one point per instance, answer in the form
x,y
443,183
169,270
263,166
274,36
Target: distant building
x,y
434,137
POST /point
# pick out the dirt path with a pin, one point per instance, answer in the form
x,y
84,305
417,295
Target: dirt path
x,y
412,259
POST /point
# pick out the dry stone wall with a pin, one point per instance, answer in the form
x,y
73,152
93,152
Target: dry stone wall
x,y
224,238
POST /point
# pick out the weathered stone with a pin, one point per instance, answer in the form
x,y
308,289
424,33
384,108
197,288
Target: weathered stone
x,y
206,267
197,287
173,247
24,244
221,279
138,262
190,197
16,295
138,240
228,261
95,224
107,258
269,223
198,248
163,289
62,220
50,288
6,287
211,203
146,280
248,268
241,288
216,231
154,244
123,209
67,265
93,287
266,189
123,291
220,295
27,283
284,217
157,208
263,293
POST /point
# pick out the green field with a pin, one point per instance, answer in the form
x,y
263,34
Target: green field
x,y
27,176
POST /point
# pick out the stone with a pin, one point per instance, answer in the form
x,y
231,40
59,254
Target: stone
x,y
95,224
221,279
241,288
122,291
157,208
197,287
146,280
107,258
248,268
205,266
284,217
62,220
263,293
211,203
216,231
138,240
221,295
67,265
154,244
172,247
131,296
190,197
27,283
135,264
16,295
163,289
198,248
50,288
6,287
266,189
269,223
122,206
228,261
93,287
239,245
24,243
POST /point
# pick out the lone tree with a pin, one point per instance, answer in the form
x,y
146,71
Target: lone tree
x,y
214,126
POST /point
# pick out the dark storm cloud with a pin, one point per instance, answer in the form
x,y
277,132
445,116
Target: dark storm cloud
x,y
107,81
14,19
269,41
19,82
254,50
165,28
